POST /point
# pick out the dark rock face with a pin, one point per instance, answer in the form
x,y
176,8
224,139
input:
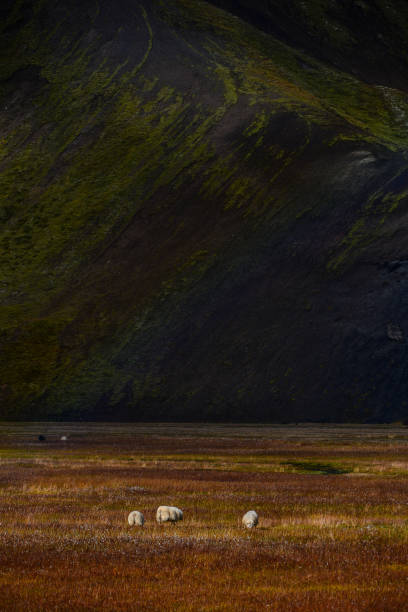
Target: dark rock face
x,y
198,221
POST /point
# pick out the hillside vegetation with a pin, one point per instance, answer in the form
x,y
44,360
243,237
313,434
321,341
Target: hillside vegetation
x,y
202,214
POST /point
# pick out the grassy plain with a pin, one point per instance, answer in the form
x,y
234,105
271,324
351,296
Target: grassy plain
x,y
333,506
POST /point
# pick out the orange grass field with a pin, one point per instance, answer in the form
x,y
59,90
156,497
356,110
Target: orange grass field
x,y
332,501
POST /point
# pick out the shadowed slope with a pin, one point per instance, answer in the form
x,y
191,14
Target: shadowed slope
x,y
364,38
197,221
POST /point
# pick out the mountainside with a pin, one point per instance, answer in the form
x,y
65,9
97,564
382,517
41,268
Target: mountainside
x,y
365,37
203,214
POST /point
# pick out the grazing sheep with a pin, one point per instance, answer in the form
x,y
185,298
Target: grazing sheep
x,y
170,514
250,519
136,518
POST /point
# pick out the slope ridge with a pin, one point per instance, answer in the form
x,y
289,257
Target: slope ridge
x,y
363,38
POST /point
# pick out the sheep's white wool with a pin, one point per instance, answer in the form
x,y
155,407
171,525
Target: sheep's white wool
x,y
170,514
250,519
136,518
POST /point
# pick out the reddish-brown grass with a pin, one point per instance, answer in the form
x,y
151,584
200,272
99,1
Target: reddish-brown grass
x,y
333,506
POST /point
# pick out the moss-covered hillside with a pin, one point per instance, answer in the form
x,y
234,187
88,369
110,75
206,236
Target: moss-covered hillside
x,y
201,216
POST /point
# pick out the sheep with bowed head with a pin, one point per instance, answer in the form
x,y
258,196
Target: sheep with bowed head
x,y
168,514
250,519
136,519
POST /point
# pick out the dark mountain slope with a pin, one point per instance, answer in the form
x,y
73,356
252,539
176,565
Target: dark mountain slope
x,y
365,38
197,221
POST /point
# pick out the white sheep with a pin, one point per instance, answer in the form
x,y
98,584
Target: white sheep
x,y
136,519
250,519
170,514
